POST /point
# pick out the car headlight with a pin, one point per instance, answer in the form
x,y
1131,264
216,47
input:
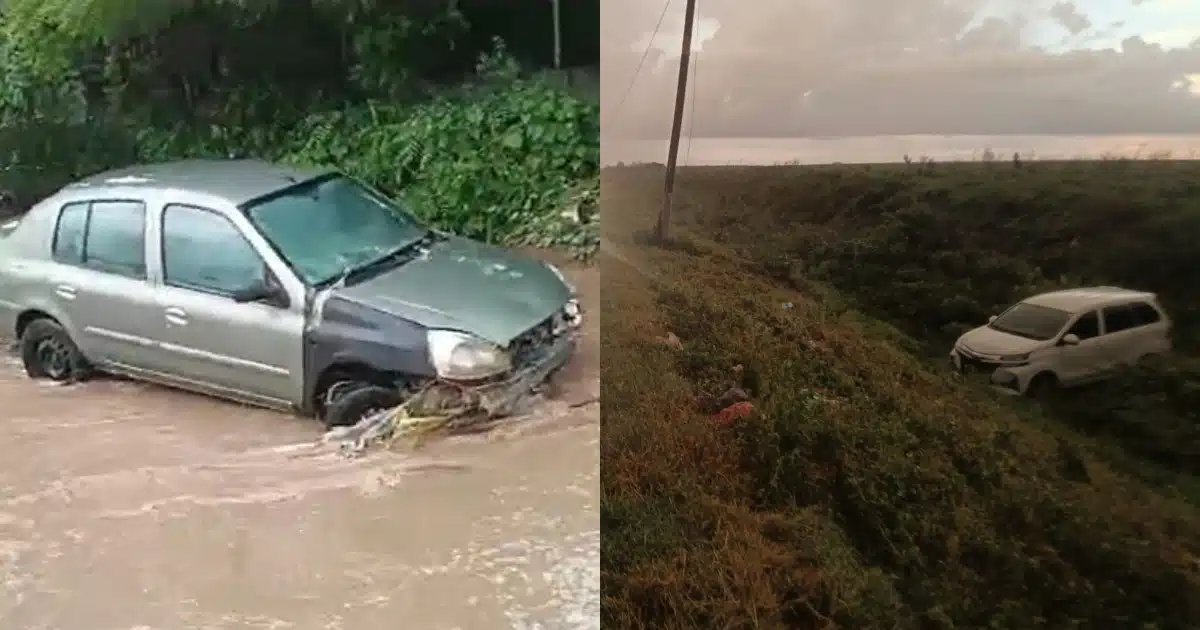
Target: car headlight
x,y
464,357
1015,358
562,277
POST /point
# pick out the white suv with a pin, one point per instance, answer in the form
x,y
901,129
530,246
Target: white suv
x,y
1065,338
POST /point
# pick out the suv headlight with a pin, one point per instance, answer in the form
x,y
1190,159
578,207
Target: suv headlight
x,y
463,357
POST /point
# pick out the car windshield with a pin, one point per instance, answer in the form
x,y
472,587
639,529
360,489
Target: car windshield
x,y
1031,321
330,224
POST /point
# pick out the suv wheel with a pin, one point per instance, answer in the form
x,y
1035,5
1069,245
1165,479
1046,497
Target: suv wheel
x,y
347,409
1042,386
48,352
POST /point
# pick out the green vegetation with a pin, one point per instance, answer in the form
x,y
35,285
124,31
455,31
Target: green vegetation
x,y
873,489
422,100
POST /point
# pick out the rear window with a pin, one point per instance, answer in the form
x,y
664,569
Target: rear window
x,y
108,236
1145,314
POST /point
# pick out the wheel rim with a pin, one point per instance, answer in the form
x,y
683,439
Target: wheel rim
x,y
54,358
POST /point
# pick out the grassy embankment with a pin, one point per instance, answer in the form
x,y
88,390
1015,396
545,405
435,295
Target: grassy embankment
x,y
874,490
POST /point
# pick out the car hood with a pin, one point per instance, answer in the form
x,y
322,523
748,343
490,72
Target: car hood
x,y
989,341
465,285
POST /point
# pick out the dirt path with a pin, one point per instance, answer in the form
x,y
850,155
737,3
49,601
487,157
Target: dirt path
x,y
126,506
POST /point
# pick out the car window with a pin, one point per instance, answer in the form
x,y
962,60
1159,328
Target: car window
x,y
204,251
1086,327
1144,314
1118,318
69,235
114,239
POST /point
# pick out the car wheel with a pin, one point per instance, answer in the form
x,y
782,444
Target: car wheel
x,y
1042,386
348,408
48,352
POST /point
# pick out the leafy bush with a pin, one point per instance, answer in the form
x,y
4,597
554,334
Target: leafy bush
x,y
487,165
514,165
408,97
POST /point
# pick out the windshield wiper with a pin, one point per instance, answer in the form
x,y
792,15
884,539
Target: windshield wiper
x,y
394,258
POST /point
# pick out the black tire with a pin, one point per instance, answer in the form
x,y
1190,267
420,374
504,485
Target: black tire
x,y
1042,387
354,405
48,352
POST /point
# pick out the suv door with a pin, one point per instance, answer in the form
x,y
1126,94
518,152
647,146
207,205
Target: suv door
x,y
99,281
1080,363
244,350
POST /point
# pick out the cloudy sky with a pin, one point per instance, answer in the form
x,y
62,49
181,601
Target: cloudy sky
x,y
867,67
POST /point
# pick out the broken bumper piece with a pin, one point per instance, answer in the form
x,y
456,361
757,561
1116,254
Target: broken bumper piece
x,y
505,397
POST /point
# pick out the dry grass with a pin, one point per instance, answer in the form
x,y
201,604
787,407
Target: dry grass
x,y
870,491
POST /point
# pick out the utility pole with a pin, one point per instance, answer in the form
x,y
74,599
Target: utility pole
x,y
685,58
556,12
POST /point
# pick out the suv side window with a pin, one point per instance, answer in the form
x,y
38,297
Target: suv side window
x,y
69,236
1145,314
204,251
1118,318
1086,327
108,236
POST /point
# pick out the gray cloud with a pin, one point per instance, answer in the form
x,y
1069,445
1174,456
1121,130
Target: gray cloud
x,y
864,67
1069,17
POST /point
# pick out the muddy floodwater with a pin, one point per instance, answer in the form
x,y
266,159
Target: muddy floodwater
x,y
127,506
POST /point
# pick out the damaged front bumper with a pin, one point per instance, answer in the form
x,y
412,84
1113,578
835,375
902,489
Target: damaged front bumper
x,y
505,397
1004,378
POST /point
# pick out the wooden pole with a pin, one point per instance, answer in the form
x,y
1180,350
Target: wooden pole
x,y
556,10
685,58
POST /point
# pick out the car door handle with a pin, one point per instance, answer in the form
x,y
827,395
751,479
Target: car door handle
x,y
176,316
65,292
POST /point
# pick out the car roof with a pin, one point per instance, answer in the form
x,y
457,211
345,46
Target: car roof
x,y
1087,298
236,181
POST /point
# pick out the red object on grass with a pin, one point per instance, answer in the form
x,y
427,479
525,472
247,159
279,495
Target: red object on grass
x,y
733,413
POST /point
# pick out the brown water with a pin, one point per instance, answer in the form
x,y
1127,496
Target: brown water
x,y
124,505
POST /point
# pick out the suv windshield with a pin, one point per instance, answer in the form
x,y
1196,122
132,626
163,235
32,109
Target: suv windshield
x,y
326,225
1030,321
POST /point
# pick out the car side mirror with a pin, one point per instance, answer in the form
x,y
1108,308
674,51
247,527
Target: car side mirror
x,y
992,319
264,292
1070,339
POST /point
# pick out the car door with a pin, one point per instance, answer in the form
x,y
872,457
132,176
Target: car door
x,y
99,282
1078,363
245,350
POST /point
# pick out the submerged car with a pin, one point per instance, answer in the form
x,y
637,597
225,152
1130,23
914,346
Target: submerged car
x,y
295,289
1065,338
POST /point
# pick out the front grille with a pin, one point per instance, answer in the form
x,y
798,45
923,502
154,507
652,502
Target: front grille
x,y
971,363
532,344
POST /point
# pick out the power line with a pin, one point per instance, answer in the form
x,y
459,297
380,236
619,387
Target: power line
x,y
641,62
687,153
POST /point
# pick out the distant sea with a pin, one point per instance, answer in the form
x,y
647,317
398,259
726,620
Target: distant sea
x,y
877,149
